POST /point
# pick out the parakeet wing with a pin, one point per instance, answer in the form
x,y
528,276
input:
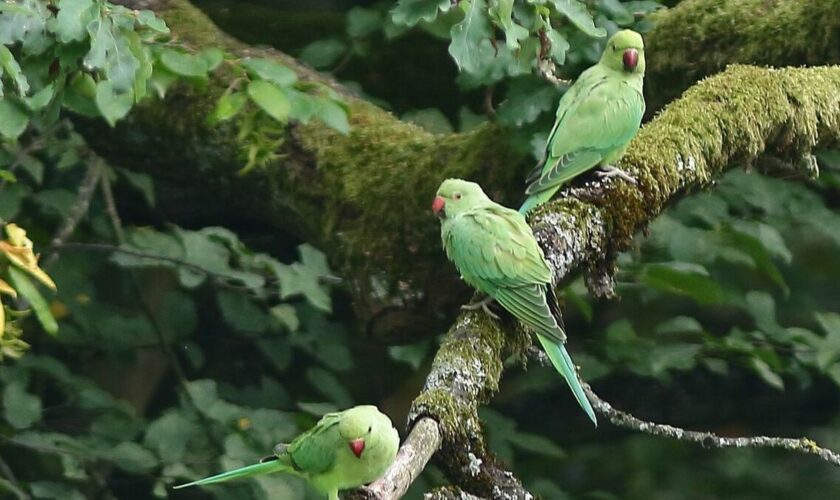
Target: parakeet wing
x,y
496,252
602,117
313,451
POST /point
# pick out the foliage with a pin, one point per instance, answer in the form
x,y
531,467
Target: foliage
x,y
191,341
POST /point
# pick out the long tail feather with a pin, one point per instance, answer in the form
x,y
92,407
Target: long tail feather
x,y
247,471
563,363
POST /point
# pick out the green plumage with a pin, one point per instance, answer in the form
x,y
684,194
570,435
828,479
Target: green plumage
x,y
323,455
596,119
496,252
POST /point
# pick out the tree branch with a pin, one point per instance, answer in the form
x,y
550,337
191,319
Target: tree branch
x,y
708,439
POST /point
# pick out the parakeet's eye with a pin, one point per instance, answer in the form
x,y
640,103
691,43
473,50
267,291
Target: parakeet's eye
x,y
370,428
456,196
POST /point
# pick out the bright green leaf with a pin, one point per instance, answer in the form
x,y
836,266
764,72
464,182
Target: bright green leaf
x,y
468,34
411,12
112,104
12,68
270,98
577,13
21,408
39,304
13,119
228,106
322,54
184,64
72,19
270,70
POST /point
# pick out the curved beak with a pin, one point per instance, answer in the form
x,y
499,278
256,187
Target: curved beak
x,y
438,204
631,59
357,446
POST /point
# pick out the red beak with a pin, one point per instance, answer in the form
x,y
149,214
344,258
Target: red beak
x,y
438,204
631,59
357,446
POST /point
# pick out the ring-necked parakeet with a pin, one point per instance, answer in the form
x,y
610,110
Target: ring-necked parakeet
x,y
495,251
344,450
596,119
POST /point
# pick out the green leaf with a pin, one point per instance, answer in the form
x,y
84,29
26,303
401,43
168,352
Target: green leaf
x,y
333,114
411,12
131,457
184,64
112,104
767,374
270,70
241,312
330,386
527,98
688,280
12,68
577,13
362,22
303,278
501,11
828,348
287,315
323,53
80,95
148,19
102,43
40,99
72,19
21,408
27,289
468,34
212,57
559,46
228,106
13,119
270,98
168,436
55,490
142,183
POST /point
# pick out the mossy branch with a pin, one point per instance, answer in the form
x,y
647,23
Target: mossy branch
x,y
698,38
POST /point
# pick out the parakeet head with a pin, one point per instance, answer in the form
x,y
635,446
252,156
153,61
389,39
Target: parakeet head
x,y
625,51
361,427
455,196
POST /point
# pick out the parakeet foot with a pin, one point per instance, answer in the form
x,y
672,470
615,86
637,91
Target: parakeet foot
x,y
610,171
483,304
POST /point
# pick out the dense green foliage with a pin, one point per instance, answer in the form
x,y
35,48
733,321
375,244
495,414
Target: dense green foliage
x,y
190,341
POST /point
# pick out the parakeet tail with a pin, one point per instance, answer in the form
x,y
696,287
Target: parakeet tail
x,y
563,363
247,471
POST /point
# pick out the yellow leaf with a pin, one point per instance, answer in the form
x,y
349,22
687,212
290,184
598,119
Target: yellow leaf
x,y
18,249
8,290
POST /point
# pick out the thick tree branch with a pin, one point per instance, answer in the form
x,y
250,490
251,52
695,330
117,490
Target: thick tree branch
x,y
708,439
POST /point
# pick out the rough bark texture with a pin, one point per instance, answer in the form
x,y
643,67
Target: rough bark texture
x,y
363,198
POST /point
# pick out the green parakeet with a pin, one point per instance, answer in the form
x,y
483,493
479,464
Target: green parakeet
x,y
596,119
495,251
344,450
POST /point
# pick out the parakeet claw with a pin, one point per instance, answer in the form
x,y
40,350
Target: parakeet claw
x,y
483,304
610,171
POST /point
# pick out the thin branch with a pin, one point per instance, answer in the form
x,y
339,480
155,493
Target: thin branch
x,y
415,452
709,439
111,209
79,208
12,481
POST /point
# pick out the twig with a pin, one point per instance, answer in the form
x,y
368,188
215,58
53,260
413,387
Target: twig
x,y
79,208
12,480
709,439
111,208
422,442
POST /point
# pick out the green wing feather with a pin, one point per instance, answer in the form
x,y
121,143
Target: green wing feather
x,y
313,452
496,252
596,119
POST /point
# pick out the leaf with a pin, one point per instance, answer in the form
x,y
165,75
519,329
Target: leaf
x,y
468,34
685,280
142,183
112,104
286,315
72,19
228,106
322,54
270,98
527,98
55,490
36,300
303,278
330,386
576,12
767,374
411,12
431,119
101,43
212,57
559,46
21,408
13,119
131,457
40,99
270,70
168,436
148,19
12,68
501,11
679,324
828,348
242,313
332,113
18,249
184,64
362,22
